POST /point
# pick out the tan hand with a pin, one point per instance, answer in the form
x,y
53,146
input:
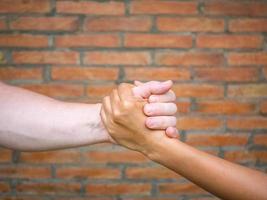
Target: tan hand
x,y
124,119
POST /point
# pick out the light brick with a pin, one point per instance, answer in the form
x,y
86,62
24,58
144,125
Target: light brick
x,y
118,24
163,73
46,24
22,6
231,74
248,25
117,58
236,8
248,90
14,73
229,41
157,41
82,73
188,59
45,57
163,7
91,7
190,24
89,41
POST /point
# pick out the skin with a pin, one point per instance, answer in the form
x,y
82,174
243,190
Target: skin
x,y
224,179
34,122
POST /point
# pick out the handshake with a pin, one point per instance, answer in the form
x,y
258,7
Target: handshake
x,y
136,116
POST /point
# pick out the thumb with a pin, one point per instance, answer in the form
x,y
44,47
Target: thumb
x,y
152,87
138,83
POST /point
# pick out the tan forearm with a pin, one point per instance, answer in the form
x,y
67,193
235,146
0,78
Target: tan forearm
x,y
220,177
33,122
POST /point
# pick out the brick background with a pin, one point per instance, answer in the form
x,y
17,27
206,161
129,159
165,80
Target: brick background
x,y
214,51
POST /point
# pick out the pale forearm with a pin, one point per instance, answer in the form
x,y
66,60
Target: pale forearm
x,y
33,122
220,177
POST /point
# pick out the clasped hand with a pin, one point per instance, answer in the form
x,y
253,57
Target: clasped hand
x,y
135,123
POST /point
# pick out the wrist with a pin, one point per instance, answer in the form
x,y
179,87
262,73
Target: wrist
x,y
156,145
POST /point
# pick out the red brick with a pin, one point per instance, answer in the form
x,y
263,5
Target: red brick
x,y
117,58
190,24
248,90
99,91
244,156
260,139
188,59
92,40
25,172
23,40
14,73
249,123
91,7
84,73
4,187
259,58
157,41
119,189
22,6
51,157
217,140
228,107
45,57
236,8
151,173
5,155
229,41
198,123
163,73
45,23
57,90
232,74
198,90
3,25
115,157
118,24
183,106
163,7
48,188
248,25
180,188
263,107
90,173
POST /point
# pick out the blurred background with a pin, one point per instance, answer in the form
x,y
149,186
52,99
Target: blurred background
x,y
214,51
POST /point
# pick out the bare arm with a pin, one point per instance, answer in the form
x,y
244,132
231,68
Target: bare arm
x,y
33,122
220,177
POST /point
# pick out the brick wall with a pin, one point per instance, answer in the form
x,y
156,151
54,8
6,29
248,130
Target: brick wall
x,y
214,51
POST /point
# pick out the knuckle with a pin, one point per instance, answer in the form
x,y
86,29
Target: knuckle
x,y
117,116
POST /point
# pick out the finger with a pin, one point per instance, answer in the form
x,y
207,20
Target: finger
x,y
138,83
114,100
160,122
167,97
172,132
125,91
103,117
152,87
160,109
107,106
